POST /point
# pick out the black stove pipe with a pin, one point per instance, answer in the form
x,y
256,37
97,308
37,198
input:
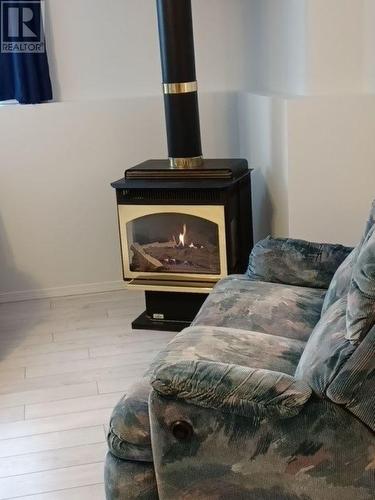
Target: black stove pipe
x,y
180,83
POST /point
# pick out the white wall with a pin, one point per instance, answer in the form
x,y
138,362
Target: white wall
x,y
331,167
263,135
369,41
110,49
58,221
315,165
330,131
289,84
310,47
276,46
335,46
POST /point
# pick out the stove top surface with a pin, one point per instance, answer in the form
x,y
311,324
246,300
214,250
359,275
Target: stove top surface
x,y
220,169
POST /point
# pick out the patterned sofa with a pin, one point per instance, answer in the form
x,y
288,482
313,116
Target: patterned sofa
x,y
269,395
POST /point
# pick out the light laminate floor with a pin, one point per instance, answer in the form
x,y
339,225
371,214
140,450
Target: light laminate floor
x,y
64,363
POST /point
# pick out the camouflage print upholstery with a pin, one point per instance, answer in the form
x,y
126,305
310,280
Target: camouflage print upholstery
x,y
229,345
322,453
361,298
339,359
353,386
232,388
276,309
296,262
269,395
326,350
127,480
129,428
341,281
337,369
371,220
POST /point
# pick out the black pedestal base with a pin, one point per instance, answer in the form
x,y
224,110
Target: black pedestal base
x,y
143,322
171,312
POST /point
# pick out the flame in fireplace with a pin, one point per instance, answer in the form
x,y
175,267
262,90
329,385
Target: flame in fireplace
x,y
182,240
182,237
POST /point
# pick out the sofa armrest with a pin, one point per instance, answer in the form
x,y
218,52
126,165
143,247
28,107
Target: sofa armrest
x,y
296,262
232,389
199,453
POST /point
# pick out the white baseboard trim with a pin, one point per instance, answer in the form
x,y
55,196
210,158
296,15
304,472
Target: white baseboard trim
x,y
65,291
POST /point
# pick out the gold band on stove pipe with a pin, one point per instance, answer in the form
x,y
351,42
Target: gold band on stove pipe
x,y
194,162
180,88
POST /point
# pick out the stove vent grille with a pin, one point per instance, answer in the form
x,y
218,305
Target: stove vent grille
x,y
175,197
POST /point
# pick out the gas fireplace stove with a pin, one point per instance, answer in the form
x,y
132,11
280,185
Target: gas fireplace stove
x,y
185,222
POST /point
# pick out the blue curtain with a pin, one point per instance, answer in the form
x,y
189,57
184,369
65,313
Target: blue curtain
x,y
23,76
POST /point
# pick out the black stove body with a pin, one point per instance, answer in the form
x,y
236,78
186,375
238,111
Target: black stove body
x,y
185,222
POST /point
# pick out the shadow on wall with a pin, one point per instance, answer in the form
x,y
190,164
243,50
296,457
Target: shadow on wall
x,y
263,209
225,141
17,320
255,133
262,141
275,35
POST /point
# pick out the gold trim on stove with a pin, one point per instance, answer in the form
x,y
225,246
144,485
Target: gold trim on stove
x,y
186,163
179,282
162,285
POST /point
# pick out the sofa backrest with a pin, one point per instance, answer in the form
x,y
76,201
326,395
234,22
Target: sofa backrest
x,y
338,369
353,386
360,315
295,262
340,283
339,359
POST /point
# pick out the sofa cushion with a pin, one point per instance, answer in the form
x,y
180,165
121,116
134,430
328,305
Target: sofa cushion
x,y
232,346
296,262
361,298
327,349
276,309
129,432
